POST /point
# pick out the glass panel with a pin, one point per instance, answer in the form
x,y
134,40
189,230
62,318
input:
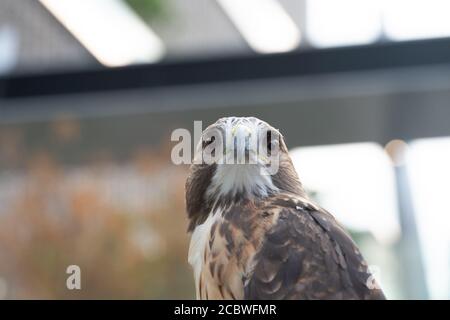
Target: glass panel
x,y
347,22
428,167
416,19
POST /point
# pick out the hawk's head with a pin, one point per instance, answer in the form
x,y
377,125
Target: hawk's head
x,y
238,159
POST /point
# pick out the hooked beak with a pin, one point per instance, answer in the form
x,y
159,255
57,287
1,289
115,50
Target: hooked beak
x,y
242,137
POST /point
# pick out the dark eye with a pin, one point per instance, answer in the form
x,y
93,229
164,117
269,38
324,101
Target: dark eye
x,y
272,141
269,141
208,141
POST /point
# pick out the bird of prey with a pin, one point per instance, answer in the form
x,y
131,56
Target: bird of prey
x,y
256,234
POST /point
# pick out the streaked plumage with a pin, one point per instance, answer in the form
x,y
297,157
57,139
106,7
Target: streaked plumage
x,y
262,238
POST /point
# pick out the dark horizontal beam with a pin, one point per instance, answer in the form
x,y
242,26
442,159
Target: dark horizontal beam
x,y
294,64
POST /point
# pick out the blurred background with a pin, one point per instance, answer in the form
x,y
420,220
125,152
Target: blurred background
x,y
90,92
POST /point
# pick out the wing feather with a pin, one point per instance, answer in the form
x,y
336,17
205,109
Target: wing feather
x,y
308,255
282,248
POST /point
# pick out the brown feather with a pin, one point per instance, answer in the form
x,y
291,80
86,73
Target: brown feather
x,y
293,250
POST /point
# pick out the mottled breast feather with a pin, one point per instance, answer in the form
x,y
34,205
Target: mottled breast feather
x,y
282,247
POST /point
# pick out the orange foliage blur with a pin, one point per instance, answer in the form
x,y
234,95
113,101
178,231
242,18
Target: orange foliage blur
x,y
123,224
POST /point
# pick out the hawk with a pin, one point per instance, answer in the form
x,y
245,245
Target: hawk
x,y
257,235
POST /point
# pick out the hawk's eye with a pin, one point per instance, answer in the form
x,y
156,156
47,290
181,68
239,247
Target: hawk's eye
x,y
269,141
208,141
272,142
